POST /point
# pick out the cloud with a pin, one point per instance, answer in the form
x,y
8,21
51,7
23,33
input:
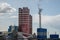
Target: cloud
x,y
47,1
1,14
49,22
13,16
6,8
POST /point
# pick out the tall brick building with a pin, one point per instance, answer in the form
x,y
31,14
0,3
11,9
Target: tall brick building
x,y
25,20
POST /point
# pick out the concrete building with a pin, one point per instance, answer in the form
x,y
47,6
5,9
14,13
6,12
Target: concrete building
x,y
25,20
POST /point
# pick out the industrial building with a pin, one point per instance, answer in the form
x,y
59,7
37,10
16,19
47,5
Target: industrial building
x,y
54,37
12,32
41,33
11,28
25,20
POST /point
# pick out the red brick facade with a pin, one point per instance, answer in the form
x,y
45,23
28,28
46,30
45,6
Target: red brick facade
x,y
25,20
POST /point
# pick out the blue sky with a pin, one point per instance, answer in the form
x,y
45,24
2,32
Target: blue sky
x,y
50,13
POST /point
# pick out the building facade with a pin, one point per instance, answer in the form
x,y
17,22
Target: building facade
x,y
11,28
41,33
25,20
54,37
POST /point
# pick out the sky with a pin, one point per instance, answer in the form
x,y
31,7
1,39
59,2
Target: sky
x,y
50,14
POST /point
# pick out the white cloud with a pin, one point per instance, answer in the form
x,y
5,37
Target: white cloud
x,y
13,16
6,8
1,14
46,19
52,23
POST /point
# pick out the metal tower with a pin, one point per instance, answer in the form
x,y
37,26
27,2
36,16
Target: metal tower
x,y
39,14
40,17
